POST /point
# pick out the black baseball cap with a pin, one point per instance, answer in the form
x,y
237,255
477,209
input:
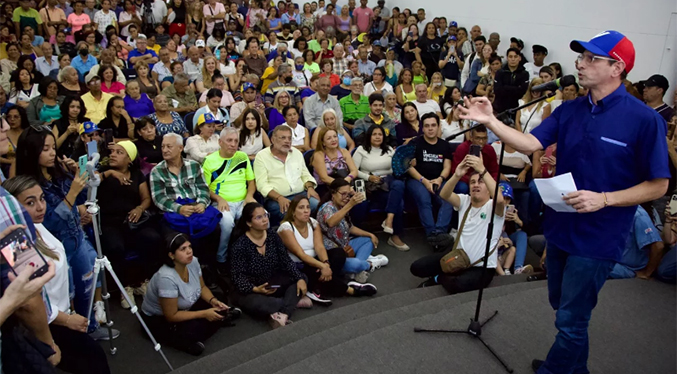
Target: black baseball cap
x,y
539,49
518,41
657,80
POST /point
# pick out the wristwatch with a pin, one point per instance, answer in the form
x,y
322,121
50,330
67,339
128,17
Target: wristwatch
x,y
483,173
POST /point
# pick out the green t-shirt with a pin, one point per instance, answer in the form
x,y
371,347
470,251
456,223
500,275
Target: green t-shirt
x,y
29,17
352,111
228,177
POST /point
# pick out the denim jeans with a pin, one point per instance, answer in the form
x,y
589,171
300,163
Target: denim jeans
x,y
462,187
392,201
573,285
424,202
227,224
81,261
519,240
273,208
362,246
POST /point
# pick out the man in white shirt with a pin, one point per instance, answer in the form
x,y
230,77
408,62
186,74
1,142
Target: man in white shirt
x,y
159,9
420,14
534,68
425,105
47,62
476,212
193,66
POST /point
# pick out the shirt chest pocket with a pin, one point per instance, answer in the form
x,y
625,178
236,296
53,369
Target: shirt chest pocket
x,y
611,147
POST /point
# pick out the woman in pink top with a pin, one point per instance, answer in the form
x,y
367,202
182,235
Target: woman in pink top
x,y
77,19
327,20
214,12
109,83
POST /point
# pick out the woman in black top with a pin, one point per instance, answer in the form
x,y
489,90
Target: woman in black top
x,y
431,46
267,282
178,25
124,197
66,129
410,46
117,119
148,144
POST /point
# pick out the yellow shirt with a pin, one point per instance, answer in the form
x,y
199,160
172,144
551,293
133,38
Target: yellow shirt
x,y
96,109
266,78
155,48
286,178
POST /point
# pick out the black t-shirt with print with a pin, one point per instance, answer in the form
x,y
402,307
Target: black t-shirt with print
x,y
430,157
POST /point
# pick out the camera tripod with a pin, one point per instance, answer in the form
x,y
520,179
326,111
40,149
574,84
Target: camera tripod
x,y
102,264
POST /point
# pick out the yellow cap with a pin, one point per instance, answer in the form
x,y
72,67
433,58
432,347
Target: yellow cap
x,y
130,148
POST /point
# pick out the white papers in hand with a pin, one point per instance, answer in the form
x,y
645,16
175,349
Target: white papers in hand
x,y
553,189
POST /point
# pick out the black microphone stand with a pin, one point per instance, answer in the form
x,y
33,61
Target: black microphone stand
x,y
475,327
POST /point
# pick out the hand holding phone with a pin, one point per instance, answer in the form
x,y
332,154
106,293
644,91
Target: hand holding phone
x,y
359,186
673,206
19,251
475,150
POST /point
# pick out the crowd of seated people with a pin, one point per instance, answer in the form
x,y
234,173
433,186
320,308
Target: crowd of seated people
x,y
233,139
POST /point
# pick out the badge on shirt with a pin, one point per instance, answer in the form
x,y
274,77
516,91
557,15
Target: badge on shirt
x,y
483,215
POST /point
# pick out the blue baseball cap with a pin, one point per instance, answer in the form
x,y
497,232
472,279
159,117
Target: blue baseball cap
x,y
453,24
452,37
506,190
88,128
248,85
610,44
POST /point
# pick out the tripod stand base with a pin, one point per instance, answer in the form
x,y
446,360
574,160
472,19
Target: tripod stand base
x,y
475,330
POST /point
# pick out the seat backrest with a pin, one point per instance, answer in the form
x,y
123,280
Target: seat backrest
x,y
308,157
188,120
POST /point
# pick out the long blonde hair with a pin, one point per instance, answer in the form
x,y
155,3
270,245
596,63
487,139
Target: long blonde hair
x,y
276,102
206,77
528,97
16,186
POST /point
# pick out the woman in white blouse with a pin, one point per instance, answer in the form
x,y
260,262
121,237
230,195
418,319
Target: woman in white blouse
x,y
530,117
302,237
80,353
253,137
374,163
24,89
378,84
205,141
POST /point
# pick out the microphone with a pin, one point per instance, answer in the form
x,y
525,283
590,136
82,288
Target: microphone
x,y
566,80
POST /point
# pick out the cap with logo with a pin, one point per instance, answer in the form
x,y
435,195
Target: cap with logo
x,y
88,127
452,37
659,81
200,43
610,44
246,86
376,43
206,118
506,190
453,24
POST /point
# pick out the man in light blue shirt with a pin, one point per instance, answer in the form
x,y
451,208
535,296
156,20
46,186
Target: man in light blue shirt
x,y
364,64
83,62
291,16
48,61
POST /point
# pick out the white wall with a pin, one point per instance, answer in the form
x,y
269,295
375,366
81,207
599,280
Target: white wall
x,y
650,24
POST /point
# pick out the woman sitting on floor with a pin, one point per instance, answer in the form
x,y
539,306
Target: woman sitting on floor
x,y
337,230
266,281
178,308
302,236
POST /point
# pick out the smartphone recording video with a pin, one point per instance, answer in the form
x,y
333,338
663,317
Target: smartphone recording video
x,y
475,150
19,251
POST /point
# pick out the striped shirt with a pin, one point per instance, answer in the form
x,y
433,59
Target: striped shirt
x,y
276,87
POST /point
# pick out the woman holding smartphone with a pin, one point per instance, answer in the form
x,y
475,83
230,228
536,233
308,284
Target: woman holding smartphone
x,y
179,309
267,282
79,352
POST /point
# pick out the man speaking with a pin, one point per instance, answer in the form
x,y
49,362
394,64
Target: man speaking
x,y
614,146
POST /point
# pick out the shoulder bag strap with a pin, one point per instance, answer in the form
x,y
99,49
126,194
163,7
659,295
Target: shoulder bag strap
x,y
460,229
482,258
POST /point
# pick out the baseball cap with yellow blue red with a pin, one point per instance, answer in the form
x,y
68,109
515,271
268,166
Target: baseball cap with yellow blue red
x,y
88,128
610,44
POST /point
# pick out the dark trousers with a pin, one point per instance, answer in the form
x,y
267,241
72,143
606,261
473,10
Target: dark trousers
x,y
146,242
336,286
467,280
284,300
182,335
573,285
80,354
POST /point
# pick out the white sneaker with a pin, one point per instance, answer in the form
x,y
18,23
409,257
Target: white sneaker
x,y
507,272
100,312
360,277
130,292
141,290
377,261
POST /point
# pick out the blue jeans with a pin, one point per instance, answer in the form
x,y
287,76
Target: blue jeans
x,y
227,224
462,187
273,208
573,285
519,240
81,261
362,246
424,201
668,267
392,201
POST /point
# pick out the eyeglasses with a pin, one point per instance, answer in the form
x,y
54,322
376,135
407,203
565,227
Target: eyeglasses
x,y
96,81
261,216
589,59
346,194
